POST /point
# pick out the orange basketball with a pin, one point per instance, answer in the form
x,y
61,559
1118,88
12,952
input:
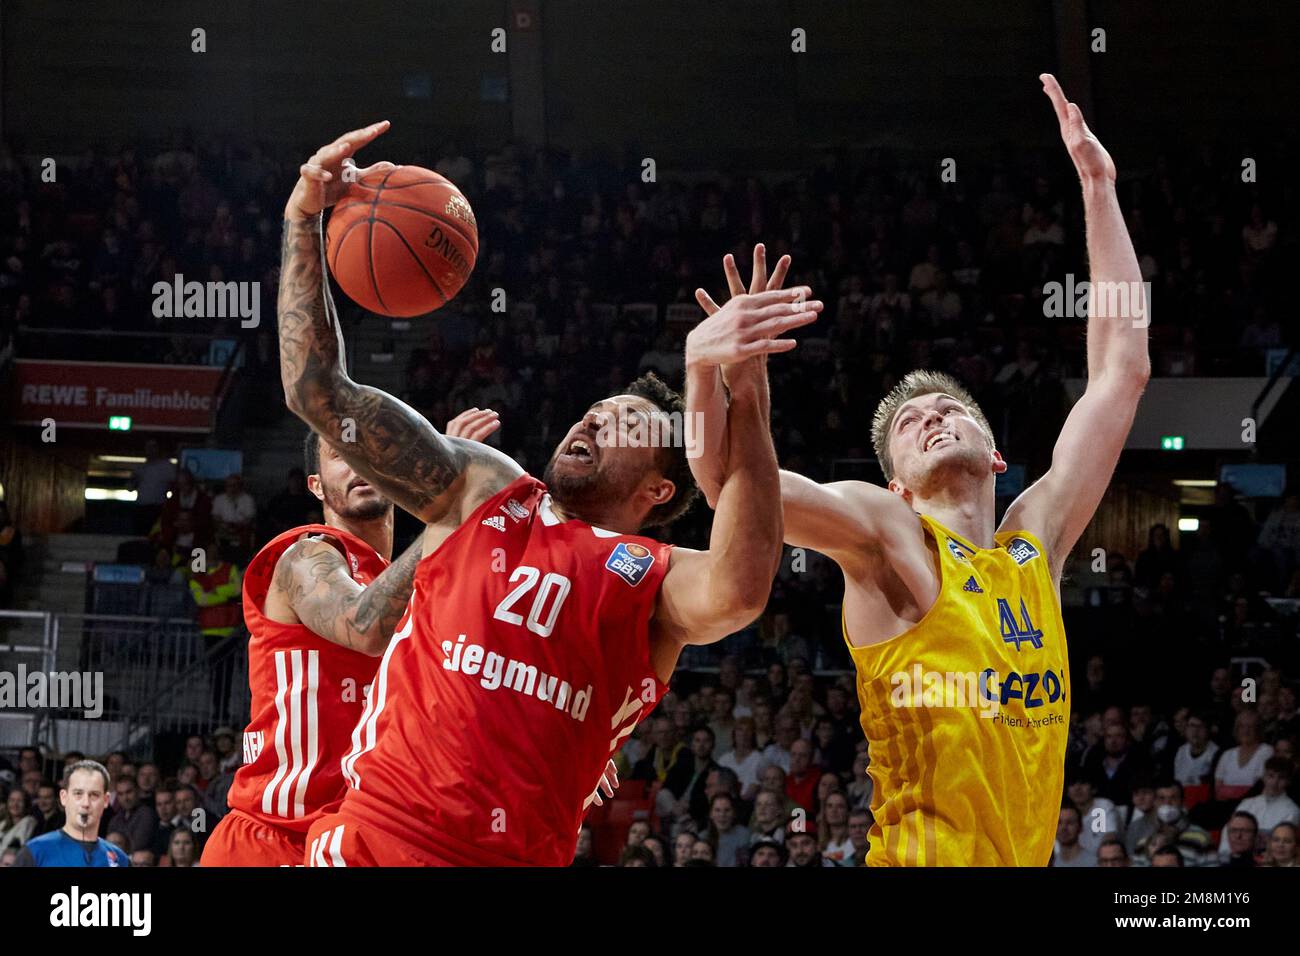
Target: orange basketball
x,y
402,242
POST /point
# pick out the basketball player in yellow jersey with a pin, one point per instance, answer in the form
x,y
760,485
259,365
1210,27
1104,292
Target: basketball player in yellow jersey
x,y
954,623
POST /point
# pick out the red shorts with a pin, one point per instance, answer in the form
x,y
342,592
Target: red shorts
x,y
340,839
241,840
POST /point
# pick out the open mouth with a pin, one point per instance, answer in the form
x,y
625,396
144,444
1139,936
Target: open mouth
x,y
359,483
581,451
937,439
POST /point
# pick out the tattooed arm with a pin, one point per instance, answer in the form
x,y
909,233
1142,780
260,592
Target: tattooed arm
x,y
312,587
438,479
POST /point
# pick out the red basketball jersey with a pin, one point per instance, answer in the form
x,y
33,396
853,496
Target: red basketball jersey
x,y
307,695
519,668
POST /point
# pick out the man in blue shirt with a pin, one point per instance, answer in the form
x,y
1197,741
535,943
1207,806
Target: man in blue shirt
x,y
84,796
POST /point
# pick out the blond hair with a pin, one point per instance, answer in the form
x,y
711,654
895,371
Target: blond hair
x,y
914,385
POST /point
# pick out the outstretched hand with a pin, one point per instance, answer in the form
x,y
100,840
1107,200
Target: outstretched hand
x,y
758,281
752,323
321,180
475,424
608,783
1089,156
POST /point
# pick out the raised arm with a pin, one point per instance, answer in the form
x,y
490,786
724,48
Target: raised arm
x,y
840,519
1059,505
384,440
312,578
710,594
845,520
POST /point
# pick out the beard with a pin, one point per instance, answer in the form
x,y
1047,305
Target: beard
x,y
592,493
366,510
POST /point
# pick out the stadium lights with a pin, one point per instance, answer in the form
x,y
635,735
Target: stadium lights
x,y
109,494
1189,524
1195,482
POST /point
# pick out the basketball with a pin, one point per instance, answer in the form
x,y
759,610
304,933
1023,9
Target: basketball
x,y
402,242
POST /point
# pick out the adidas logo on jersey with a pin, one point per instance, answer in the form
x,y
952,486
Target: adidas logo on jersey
x,y
973,586
496,521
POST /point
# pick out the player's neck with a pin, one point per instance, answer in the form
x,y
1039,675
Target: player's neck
x,y
376,532
973,516
615,520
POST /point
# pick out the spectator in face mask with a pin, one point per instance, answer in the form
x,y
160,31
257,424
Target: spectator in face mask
x,y
1169,826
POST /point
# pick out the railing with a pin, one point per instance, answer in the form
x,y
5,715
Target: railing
x,y
27,645
116,682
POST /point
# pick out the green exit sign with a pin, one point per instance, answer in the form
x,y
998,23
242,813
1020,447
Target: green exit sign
x,y
119,423
1171,443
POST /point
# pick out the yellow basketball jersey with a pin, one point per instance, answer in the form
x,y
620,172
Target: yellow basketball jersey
x,y
966,713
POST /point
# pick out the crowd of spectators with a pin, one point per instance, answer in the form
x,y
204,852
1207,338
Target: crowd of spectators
x,y
770,768
158,816
764,764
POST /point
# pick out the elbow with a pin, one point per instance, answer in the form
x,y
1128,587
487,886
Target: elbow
x,y
1129,381
1140,374
744,602
374,646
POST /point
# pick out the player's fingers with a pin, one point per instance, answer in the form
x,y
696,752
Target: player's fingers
x,y
782,309
1059,102
359,137
333,153
706,302
474,424
758,275
774,296
778,274
457,423
768,347
1077,125
735,285
380,167
611,773
779,325
484,430
595,798
314,172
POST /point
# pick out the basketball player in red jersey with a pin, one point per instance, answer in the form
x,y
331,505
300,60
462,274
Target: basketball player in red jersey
x,y
542,625
321,602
